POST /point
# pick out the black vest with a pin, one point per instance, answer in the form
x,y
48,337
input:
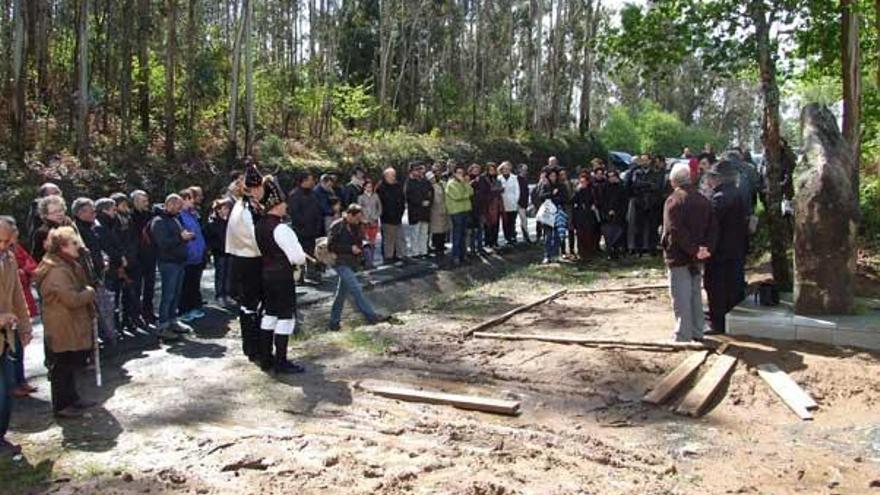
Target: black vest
x,y
274,259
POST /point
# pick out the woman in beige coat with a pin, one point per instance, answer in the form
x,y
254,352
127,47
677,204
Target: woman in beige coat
x,y
68,312
439,218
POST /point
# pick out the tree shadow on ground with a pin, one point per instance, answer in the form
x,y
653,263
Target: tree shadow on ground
x,y
316,389
194,349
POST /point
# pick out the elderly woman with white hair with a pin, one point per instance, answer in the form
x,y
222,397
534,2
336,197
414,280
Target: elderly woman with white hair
x,y
53,214
687,234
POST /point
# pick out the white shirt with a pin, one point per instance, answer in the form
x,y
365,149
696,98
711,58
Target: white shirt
x,y
241,240
286,239
510,196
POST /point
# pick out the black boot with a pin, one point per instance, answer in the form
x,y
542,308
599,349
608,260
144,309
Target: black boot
x,y
282,365
265,360
249,325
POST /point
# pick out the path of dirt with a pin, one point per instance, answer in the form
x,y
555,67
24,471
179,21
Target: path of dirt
x,y
197,418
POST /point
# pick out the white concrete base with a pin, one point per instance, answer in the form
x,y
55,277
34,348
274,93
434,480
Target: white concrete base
x,y
780,323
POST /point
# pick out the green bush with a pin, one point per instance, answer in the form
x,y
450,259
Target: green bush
x,y
620,132
869,199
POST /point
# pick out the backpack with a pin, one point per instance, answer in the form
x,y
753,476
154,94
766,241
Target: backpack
x,y
323,253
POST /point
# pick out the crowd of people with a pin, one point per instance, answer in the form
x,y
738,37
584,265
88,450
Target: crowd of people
x,y
93,264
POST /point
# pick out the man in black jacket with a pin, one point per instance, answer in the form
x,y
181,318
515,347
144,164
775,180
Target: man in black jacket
x,y
141,216
723,282
83,210
345,240
390,193
170,240
128,234
419,194
306,219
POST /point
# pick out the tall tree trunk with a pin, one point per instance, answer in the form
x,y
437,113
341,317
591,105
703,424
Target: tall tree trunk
x,y
779,231
19,79
170,68
144,23
125,89
82,108
538,20
233,86
192,29
591,18
249,78
852,83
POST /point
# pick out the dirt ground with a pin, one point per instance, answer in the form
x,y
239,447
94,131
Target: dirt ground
x,y
197,418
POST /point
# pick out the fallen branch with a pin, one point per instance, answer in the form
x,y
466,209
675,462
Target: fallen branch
x,y
637,288
468,402
506,316
563,339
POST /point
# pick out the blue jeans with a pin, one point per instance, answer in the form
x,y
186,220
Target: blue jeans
x,y
459,229
18,376
551,242
172,287
7,383
349,284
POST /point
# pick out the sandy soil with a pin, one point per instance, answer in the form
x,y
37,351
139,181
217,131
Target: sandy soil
x,y
197,418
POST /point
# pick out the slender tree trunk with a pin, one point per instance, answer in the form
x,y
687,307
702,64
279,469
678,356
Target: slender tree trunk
x,y
538,20
125,90
780,239
19,79
249,78
170,68
590,24
82,113
852,84
144,23
192,29
233,86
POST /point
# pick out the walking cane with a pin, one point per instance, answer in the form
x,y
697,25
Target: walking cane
x,y
97,352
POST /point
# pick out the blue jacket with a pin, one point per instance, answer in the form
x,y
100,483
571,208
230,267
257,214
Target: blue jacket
x,y
195,249
165,233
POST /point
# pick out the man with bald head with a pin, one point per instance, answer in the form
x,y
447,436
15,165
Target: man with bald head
x,y
390,193
171,241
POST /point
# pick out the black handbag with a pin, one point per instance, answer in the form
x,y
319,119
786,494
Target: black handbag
x,y
767,294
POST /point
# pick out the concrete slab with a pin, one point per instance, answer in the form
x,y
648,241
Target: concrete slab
x,y
813,334
814,322
850,338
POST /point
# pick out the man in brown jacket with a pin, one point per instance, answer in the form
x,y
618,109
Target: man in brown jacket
x,y
13,318
687,233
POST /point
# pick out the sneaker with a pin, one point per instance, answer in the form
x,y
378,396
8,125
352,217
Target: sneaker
x,y
198,313
181,328
84,404
186,317
333,328
379,319
546,261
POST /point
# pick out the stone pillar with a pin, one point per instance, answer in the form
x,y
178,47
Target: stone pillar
x,y
826,213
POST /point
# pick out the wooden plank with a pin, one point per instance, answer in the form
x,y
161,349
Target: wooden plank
x,y
469,402
570,339
670,383
635,288
788,390
506,316
698,397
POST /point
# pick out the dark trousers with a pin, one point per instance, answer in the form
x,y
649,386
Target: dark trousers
x,y
247,282
438,242
128,295
459,232
18,377
586,241
508,222
313,269
492,234
191,294
723,285
62,376
221,275
146,289
7,384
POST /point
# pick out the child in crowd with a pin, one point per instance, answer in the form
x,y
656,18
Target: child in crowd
x,y
372,210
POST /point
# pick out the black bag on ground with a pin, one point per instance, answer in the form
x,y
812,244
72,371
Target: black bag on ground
x,y
767,294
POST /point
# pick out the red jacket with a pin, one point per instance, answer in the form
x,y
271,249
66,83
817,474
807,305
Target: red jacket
x,y
26,268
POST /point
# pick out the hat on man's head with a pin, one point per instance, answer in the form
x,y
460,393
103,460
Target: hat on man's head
x,y
252,176
724,168
354,209
273,195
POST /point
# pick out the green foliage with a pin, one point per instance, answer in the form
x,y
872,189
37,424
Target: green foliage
x,y
870,205
650,129
353,104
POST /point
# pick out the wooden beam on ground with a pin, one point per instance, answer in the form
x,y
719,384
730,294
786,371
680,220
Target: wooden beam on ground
x,y
506,316
669,384
469,402
696,400
788,390
635,288
566,339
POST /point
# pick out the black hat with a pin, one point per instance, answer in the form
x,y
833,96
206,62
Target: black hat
x,y
252,176
273,195
724,168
